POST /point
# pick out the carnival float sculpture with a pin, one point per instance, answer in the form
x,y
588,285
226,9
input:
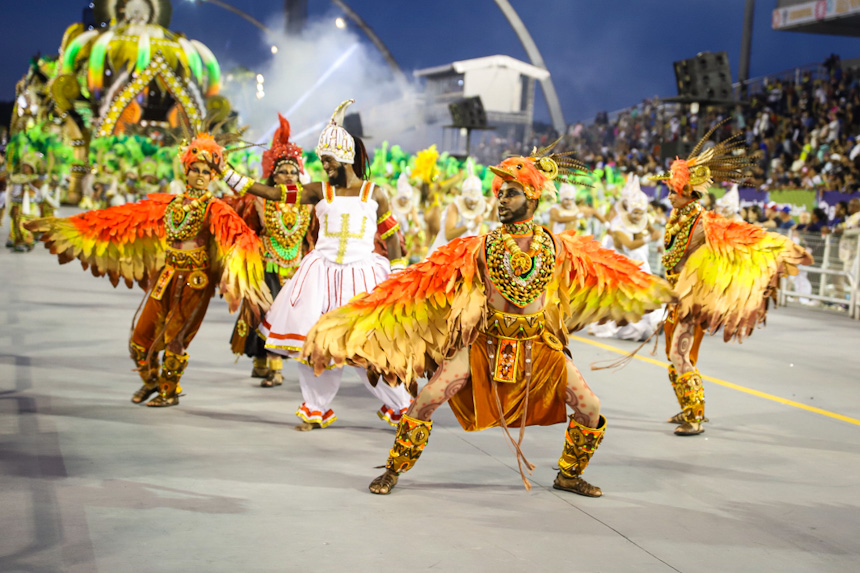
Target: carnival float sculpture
x,y
132,75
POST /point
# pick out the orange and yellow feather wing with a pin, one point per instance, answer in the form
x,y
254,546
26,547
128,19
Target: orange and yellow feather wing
x,y
409,323
726,282
594,284
236,255
123,242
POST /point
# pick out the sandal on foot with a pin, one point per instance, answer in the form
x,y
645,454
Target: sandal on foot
x,y
308,426
689,429
259,372
384,483
680,418
143,393
273,379
576,485
162,402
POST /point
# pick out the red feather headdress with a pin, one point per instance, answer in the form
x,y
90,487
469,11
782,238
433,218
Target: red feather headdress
x,y
282,150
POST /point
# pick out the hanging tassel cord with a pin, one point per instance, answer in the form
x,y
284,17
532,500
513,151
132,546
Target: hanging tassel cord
x,y
515,445
627,358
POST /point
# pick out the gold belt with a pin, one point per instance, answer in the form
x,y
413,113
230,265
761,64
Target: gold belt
x,y
507,333
515,326
194,262
182,260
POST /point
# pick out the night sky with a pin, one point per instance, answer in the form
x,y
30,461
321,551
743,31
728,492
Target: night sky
x,y
603,55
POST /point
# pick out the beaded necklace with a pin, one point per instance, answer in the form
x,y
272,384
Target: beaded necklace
x,y
184,221
678,231
285,229
520,277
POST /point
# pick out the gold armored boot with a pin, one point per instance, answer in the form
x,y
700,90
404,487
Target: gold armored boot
x,y
579,445
680,417
691,395
148,371
412,436
273,375
260,369
168,385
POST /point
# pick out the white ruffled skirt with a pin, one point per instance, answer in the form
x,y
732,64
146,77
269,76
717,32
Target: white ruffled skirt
x,y
318,286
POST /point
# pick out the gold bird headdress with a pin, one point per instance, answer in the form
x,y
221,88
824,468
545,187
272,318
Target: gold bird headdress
x,y
700,170
536,171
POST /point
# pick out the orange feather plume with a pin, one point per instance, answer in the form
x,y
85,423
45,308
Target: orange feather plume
x,y
202,148
522,170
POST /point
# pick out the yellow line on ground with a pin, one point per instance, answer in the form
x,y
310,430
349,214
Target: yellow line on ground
x,y
731,385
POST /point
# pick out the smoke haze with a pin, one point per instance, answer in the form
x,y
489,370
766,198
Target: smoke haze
x,y
310,75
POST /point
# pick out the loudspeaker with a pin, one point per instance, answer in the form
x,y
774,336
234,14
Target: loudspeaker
x,y
352,123
468,113
707,76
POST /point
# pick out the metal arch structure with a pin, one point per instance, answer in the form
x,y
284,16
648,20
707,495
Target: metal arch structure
x,y
552,102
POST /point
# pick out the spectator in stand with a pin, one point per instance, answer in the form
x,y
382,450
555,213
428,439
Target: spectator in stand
x,y
770,220
754,214
785,220
839,216
817,222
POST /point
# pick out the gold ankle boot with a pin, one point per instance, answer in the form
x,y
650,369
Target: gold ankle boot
x,y
579,445
147,369
261,369
412,436
690,392
274,376
168,385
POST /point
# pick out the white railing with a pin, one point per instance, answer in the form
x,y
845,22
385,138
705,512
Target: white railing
x,y
834,277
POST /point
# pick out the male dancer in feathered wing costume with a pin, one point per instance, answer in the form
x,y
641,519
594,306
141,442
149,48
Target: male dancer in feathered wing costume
x,y
484,319
176,246
723,271
351,211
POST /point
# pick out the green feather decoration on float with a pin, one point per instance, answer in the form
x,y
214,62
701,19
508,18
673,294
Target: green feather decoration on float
x,y
95,75
144,52
195,64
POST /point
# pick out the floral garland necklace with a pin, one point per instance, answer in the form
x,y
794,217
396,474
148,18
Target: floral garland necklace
x,y
184,221
520,277
678,231
285,229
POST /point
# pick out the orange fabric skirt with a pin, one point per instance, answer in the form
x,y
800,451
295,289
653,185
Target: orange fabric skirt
x,y
475,405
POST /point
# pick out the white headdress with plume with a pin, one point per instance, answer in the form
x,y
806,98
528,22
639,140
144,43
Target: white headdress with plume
x,y
335,141
566,191
632,199
472,184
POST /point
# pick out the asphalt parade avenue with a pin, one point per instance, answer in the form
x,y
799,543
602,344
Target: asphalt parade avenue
x,y
91,482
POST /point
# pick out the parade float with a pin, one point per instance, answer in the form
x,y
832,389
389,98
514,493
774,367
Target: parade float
x,y
131,76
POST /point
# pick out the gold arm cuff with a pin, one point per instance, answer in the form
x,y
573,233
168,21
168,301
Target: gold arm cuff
x,y
244,189
390,231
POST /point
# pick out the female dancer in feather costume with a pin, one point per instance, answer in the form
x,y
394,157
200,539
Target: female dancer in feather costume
x,y
484,319
180,246
723,271
283,231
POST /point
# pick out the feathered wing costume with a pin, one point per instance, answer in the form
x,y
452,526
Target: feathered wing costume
x,y
135,243
726,281
406,327
127,243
